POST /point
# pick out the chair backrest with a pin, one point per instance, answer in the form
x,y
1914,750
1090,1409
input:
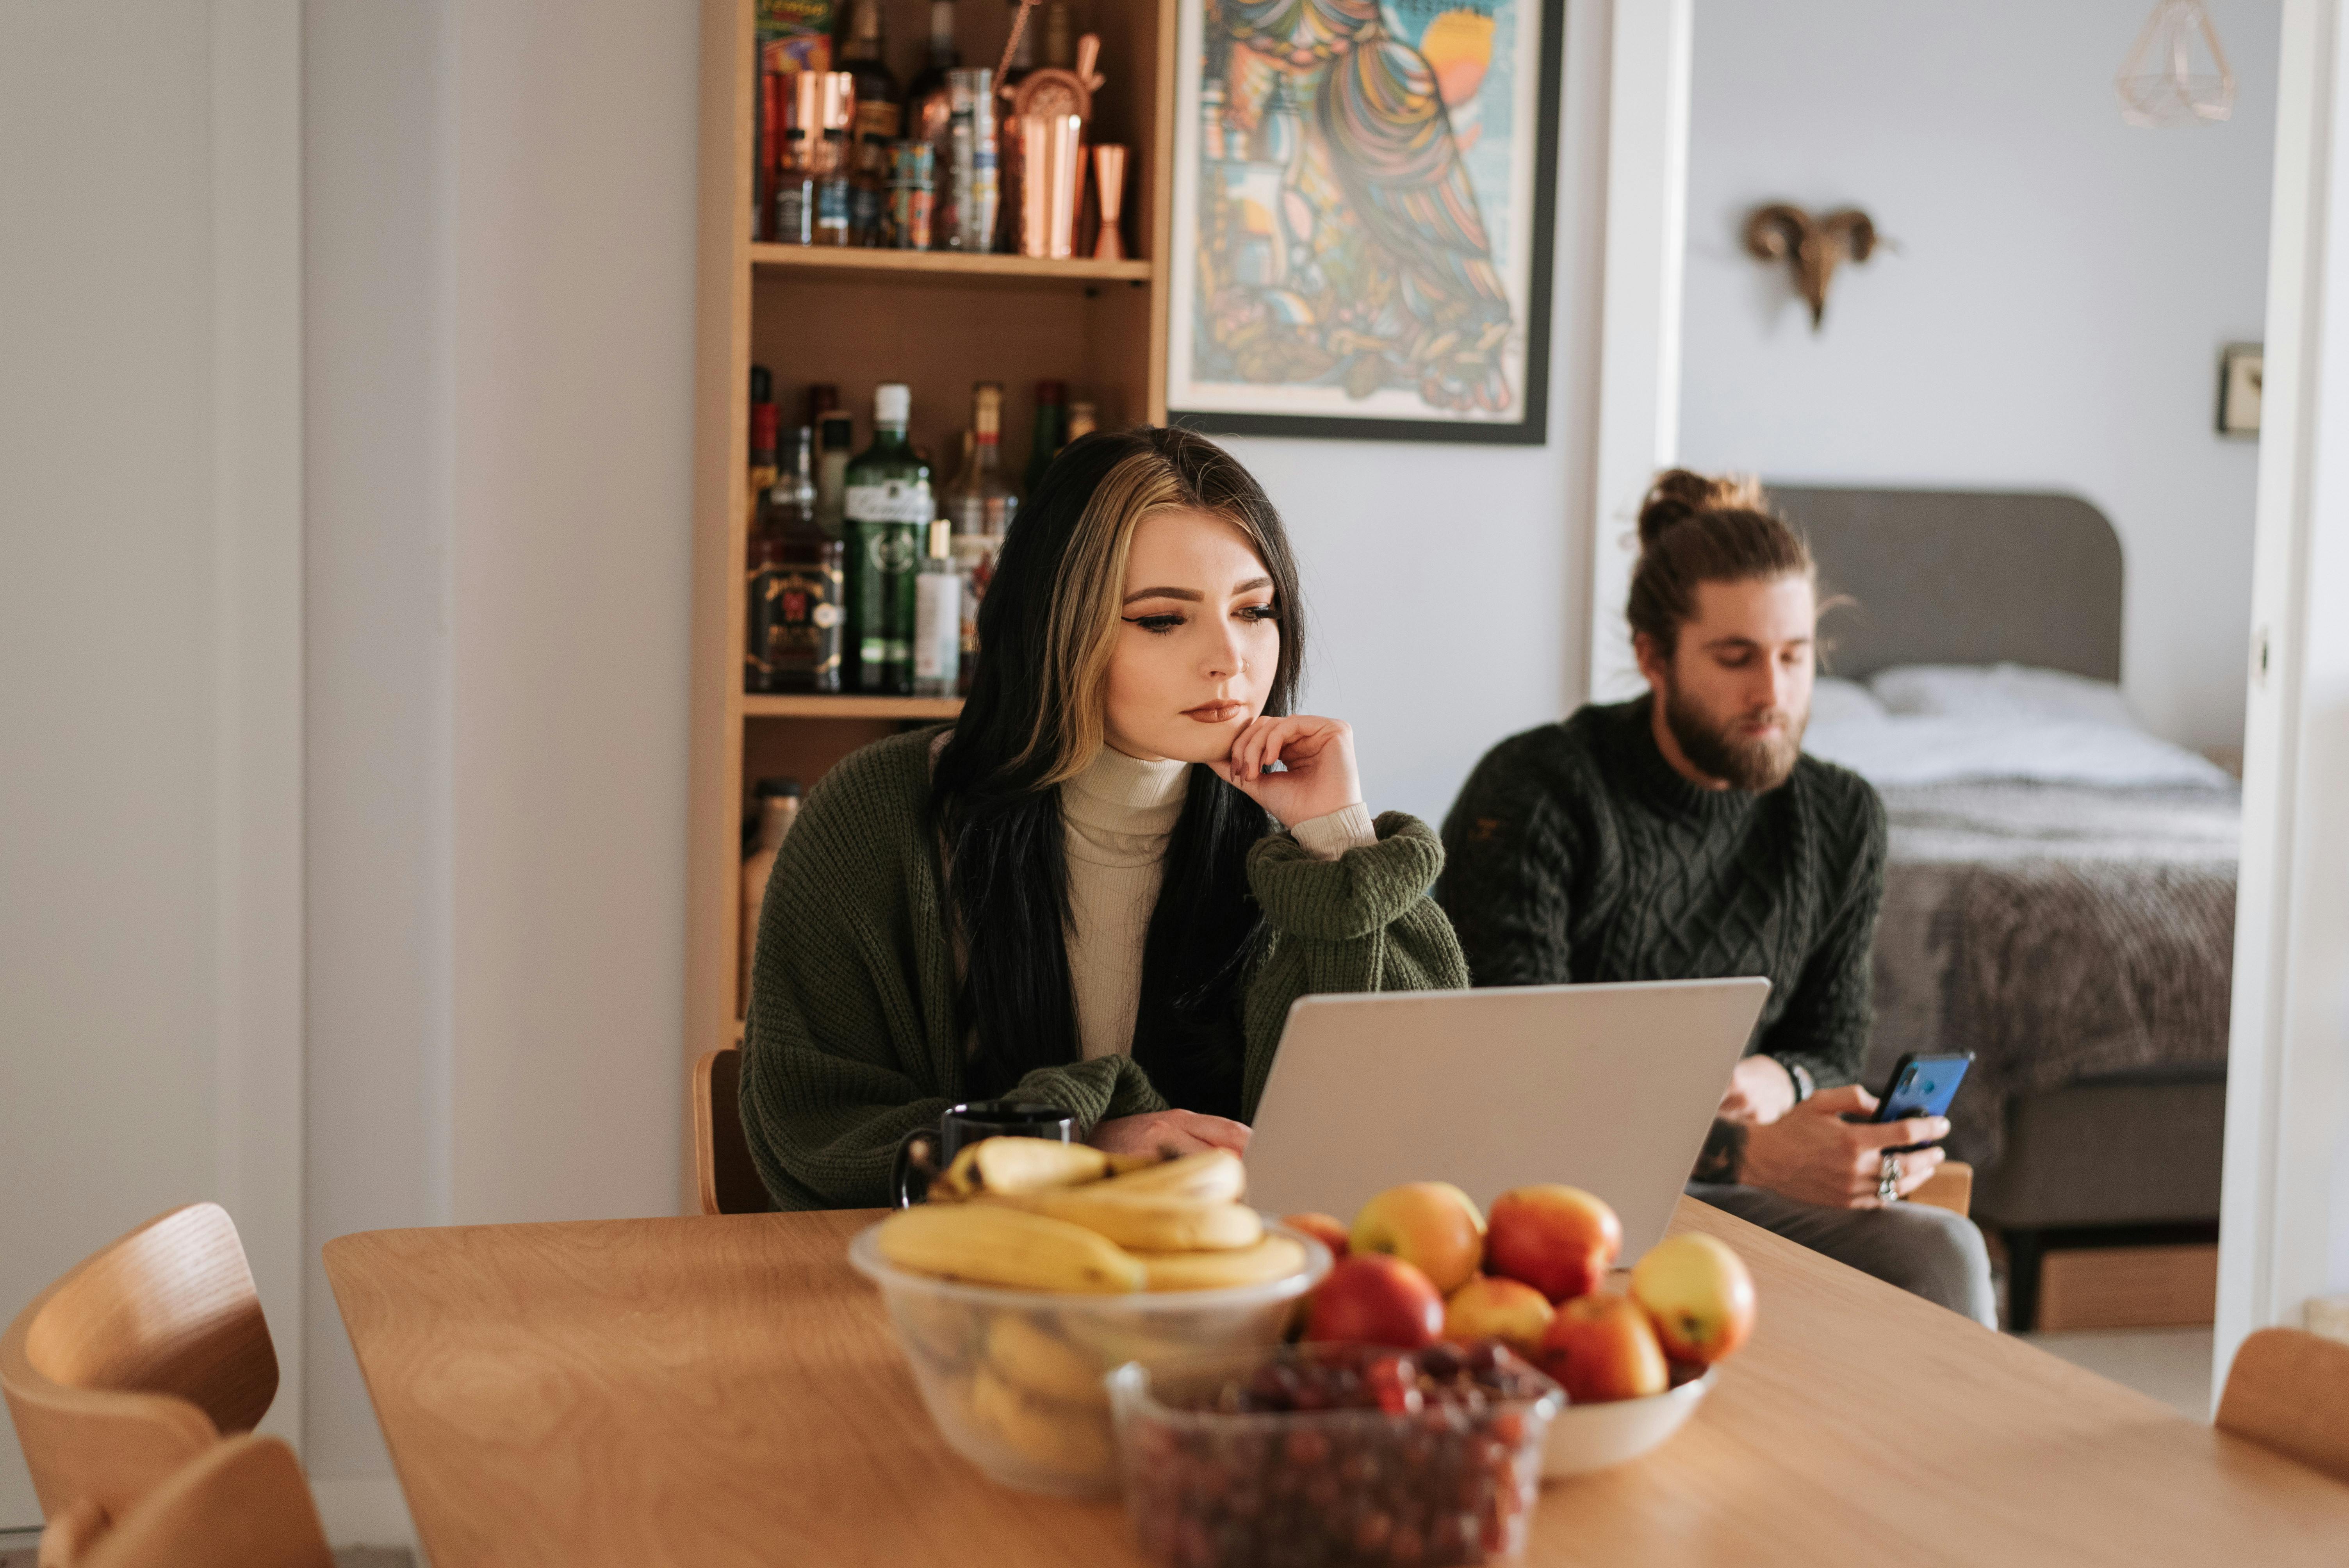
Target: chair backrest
x,y
2289,1390
729,1183
242,1503
137,1361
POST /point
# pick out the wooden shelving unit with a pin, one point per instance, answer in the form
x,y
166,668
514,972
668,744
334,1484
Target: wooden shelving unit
x,y
937,321
952,265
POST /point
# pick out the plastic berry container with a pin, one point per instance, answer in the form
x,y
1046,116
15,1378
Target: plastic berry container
x,y
1333,1454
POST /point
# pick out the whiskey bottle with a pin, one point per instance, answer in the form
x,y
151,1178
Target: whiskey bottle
x,y
797,628
937,616
889,509
1083,421
980,503
1051,430
779,808
833,177
864,55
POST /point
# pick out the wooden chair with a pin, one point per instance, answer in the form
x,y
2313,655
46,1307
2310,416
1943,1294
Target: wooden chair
x,y
242,1503
1951,1187
728,1182
2289,1390
135,1363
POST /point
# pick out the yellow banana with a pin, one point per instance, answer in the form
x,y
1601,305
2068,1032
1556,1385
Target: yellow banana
x,y
1213,1176
995,1244
1158,1225
1074,1442
1020,1165
1038,1363
1275,1257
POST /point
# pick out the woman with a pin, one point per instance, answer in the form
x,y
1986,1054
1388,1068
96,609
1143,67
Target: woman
x,y
1081,894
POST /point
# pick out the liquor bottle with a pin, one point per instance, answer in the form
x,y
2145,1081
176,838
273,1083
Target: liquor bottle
x,y
868,192
889,506
1051,430
972,186
795,191
928,105
795,630
779,808
1082,422
980,503
763,428
833,177
937,616
864,55
837,440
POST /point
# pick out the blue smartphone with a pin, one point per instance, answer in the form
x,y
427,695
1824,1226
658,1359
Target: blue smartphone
x,y
1923,1086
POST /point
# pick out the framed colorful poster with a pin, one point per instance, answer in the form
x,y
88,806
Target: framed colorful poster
x,y
1363,218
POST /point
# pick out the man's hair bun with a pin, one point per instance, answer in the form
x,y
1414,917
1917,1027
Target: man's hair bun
x,y
1680,494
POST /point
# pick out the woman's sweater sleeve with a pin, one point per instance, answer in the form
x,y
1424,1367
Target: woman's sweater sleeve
x,y
1364,922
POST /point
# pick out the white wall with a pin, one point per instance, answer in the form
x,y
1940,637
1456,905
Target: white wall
x,y
501,272
149,626
1445,581
2054,317
2285,1221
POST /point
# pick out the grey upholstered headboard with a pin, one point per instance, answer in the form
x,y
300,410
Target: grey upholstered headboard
x,y
1961,577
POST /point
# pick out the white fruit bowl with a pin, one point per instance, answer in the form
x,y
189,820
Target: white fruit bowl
x,y
1587,1438
1013,1377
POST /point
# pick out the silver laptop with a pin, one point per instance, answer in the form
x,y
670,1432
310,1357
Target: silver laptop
x,y
1609,1088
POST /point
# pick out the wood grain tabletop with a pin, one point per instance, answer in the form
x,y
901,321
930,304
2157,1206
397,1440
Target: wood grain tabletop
x,y
724,1390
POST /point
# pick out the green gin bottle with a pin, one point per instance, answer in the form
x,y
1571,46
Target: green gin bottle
x,y
888,512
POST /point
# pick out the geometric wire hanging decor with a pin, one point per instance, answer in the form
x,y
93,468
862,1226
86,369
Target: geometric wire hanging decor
x,y
2161,83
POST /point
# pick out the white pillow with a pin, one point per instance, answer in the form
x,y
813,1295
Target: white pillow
x,y
2000,691
1837,701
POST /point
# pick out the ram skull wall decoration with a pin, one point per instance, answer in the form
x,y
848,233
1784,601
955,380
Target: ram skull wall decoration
x,y
1816,245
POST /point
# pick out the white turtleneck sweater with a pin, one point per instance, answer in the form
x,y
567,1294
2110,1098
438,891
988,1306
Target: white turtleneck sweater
x,y
1120,813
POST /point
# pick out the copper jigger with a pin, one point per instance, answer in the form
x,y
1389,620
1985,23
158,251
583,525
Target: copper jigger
x,y
1108,186
1051,178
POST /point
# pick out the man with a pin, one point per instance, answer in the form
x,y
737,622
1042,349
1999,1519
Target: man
x,y
1683,835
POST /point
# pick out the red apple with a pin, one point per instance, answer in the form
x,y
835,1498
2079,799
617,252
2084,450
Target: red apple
x,y
1601,1348
1378,1301
1491,1307
1432,1224
1327,1229
1698,1295
1559,1239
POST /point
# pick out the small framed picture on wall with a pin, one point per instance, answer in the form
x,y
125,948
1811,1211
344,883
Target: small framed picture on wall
x,y
2240,366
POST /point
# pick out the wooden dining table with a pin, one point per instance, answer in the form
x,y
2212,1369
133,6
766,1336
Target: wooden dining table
x,y
726,1390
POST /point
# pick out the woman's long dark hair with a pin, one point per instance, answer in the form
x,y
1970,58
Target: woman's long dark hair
x,y
1035,717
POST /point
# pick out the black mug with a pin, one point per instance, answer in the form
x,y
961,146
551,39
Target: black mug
x,y
926,1152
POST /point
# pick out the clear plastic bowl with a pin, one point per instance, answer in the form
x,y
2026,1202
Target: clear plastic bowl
x,y
1014,1378
1208,1489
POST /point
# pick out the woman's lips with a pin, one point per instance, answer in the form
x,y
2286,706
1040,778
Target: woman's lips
x,y
1216,712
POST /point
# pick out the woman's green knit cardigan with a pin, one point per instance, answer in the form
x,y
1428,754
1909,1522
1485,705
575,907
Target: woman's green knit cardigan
x,y
852,1037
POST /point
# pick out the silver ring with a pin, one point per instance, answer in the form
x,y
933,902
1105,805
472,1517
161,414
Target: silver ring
x,y
1888,1179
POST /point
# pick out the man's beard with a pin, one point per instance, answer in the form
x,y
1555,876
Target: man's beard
x,y
1719,751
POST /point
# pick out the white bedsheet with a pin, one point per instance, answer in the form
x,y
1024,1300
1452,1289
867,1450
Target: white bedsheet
x,y
1915,748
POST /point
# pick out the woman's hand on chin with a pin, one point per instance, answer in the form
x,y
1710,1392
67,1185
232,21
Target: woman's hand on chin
x,y
1169,1132
1318,757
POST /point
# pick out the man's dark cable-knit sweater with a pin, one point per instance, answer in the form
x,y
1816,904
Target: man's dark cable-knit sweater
x,y
1577,853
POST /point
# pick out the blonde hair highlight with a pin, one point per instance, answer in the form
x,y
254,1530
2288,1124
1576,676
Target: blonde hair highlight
x,y
1087,602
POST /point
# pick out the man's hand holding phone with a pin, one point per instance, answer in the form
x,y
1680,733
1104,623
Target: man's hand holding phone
x,y
1813,1154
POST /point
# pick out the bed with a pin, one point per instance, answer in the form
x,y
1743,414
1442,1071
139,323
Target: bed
x,y
2060,888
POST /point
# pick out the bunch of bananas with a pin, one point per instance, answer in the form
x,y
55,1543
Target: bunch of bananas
x,y
1025,1214
1032,1215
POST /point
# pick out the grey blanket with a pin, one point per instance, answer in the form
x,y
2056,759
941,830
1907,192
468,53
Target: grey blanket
x,y
2055,931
